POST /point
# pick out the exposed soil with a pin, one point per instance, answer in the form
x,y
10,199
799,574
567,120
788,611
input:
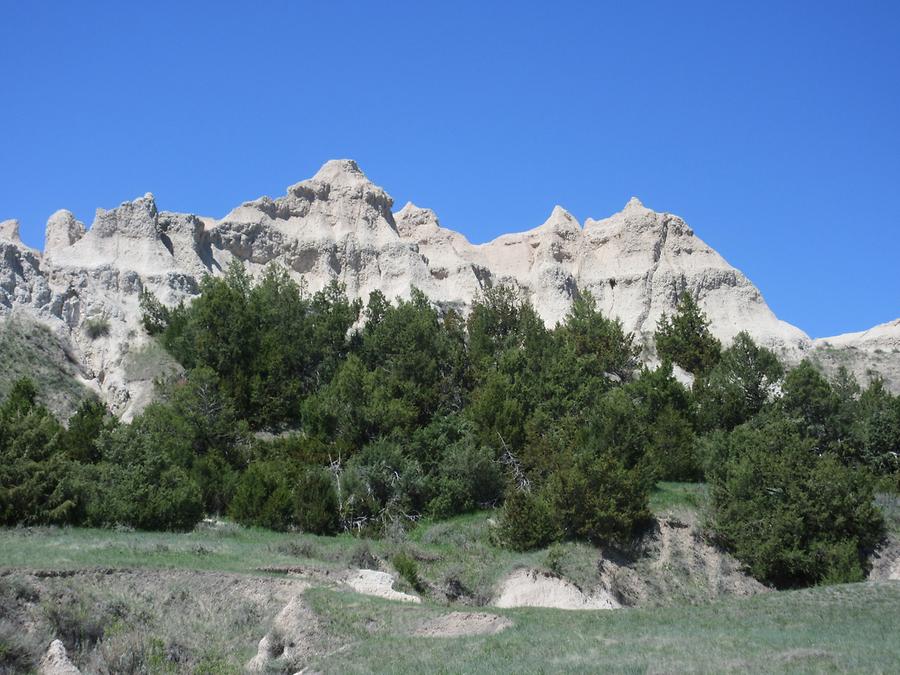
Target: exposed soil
x,y
379,584
461,624
677,565
886,562
531,588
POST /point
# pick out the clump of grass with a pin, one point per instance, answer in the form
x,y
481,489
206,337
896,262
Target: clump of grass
x,y
889,505
96,327
14,588
456,589
17,655
76,620
555,557
670,495
299,549
361,556
408,569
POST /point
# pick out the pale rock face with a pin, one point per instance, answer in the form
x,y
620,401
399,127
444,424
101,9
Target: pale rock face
x,y
637,262
56,661
865,353
339,225
63,230
9,231
22,283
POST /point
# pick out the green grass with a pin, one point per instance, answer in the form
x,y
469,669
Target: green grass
x,y
30,349
850,628
227,548
150,361
669,496
459,548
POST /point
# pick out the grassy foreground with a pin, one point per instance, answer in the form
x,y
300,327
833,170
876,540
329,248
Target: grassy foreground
x,y
848,628
851,628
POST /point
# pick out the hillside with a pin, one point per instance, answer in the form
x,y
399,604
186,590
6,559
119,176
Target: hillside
x,y
339,225
239,597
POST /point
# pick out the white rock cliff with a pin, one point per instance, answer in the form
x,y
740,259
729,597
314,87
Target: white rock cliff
x,y
339,225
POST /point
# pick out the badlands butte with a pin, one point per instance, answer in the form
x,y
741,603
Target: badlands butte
x,y
73,308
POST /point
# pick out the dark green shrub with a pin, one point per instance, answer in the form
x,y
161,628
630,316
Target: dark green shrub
x,y
672,452
468,477
217,481
263,496
408,569
738,387
792,516
138,480
811,403
315,502
79,440
147,496
527,521
600,500
685,338
381,485
36,479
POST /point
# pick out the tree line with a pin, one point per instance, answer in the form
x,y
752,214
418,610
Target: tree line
x,y
323,414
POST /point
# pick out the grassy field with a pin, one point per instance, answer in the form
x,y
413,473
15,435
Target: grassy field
x,y
230,548
459,550
850,628
207,596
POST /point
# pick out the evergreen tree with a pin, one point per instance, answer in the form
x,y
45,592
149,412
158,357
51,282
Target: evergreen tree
x,y
685,339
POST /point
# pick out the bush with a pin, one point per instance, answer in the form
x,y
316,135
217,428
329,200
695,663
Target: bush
x,y
685,338
315,502
527,521
468,477
217,481
78,620
738,387
408,570
601,500
380,486
138,482
147,496
17,655
36,479
263,496
362,557
96,327
792,516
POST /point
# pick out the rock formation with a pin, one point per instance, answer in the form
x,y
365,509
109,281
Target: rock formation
x,y
339,225
56,661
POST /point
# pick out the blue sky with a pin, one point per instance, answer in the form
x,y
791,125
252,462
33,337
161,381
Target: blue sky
x,y
772,128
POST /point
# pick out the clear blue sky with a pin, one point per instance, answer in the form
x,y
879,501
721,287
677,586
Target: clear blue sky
x,y
772,128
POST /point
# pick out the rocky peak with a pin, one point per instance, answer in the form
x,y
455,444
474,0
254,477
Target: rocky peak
x,y
342,179
136,220
62,230
9,231
413,221
339,225
635,204
562,223
341,172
